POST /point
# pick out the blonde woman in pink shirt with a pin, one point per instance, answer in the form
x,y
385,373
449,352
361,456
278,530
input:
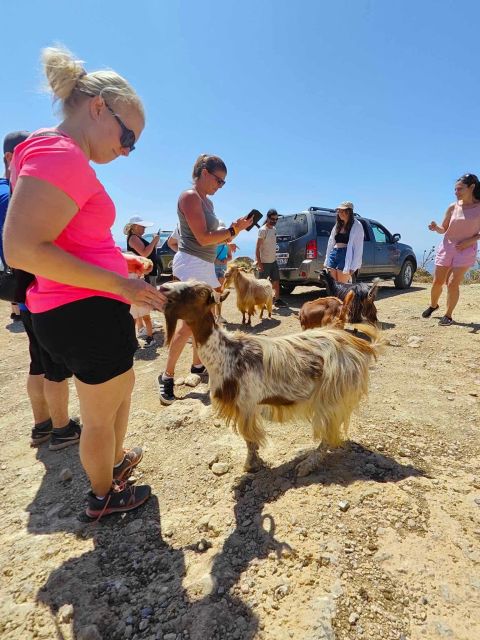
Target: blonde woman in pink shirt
x,y
457,252
59,228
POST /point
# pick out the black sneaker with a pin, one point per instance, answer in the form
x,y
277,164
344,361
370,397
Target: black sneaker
x,y
165,388
119,499
41,433
62,438
199,371
130,460
149,341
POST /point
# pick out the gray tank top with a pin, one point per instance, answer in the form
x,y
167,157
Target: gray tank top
x,y
188,243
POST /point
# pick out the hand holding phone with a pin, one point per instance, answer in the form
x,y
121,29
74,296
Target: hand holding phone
x,y
254,216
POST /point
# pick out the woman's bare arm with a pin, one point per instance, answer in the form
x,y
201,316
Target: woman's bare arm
x,y
433,226
37,215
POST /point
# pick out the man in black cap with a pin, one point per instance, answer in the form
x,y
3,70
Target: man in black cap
x,y
9,143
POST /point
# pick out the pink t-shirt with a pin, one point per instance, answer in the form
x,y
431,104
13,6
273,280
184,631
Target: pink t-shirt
x,y
61,162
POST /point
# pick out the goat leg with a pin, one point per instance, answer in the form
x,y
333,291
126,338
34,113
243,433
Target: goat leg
x,y
253,461
312,462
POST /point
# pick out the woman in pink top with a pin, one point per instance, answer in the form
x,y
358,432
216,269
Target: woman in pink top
x,y
58,227
457,252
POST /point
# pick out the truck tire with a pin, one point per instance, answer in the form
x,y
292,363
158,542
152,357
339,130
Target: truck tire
x,y
405,277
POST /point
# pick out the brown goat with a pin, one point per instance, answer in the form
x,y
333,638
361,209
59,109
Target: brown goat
x,y
251,293
326,311
319,375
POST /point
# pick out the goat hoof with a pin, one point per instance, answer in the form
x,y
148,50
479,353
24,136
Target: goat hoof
x,y
253,467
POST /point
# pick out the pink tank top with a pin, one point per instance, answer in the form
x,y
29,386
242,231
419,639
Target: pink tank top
x,y
464,223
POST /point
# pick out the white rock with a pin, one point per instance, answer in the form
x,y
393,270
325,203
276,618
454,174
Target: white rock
x,y
192,380
344,505
220,468
65,613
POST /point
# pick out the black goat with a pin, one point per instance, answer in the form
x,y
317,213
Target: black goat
x,y
363,305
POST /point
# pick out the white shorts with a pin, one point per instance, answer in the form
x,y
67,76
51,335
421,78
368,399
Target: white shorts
x,y
186,267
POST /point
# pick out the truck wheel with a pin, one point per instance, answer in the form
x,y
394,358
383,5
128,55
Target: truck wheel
x,y
405,277
286,288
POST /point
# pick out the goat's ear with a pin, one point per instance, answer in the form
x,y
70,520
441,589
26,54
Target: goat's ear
x,y
218,297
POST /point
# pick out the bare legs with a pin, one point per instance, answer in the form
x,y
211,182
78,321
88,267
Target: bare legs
x,y
339,276
453,276
104,408
48,400
177,345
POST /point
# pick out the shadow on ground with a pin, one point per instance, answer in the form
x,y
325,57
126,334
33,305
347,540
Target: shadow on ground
x,y
131,583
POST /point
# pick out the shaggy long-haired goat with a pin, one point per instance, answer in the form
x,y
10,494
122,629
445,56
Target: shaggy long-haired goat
x,y
319,375
363,304
251,293
323,312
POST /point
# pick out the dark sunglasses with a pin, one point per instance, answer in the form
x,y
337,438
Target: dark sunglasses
x,y
220,181
273,219
127,139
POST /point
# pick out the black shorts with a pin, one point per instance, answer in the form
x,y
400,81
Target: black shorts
x,y
270,270
94,338
40,361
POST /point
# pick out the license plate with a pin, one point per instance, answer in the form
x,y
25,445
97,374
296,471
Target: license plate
x,y
282,259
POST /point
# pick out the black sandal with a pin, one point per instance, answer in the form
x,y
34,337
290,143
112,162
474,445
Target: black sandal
x,y
428,312
446,321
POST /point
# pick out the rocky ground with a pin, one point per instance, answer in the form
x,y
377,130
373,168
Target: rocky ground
x,y
383,543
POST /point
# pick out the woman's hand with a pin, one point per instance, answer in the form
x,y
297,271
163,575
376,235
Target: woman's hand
x,y
242,223
138,265
433,226
464,244
141,293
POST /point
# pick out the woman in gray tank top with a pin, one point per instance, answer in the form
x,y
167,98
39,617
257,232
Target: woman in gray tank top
x,y
197,248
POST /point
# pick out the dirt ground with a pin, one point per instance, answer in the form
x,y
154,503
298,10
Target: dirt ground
x,y
383,543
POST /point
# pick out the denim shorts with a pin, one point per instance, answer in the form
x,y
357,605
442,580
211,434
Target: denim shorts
x,y
220,270
336,259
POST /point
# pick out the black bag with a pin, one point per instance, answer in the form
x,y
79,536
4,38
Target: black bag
x,y
7,285
14,284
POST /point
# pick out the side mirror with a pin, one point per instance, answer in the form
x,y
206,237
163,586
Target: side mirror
x,y
396,237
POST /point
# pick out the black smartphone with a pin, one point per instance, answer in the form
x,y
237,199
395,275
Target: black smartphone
x,y
255,216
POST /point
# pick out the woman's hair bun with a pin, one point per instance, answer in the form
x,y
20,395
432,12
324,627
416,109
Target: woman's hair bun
x,y
62,70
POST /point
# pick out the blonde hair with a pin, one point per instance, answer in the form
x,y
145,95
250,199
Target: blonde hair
x,y
71,84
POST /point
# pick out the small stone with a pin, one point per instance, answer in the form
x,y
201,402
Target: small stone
x,y
65,475
220,468
213,459
203,545
143,625
352,618
192,380
65,613
170,636
477,501
344,505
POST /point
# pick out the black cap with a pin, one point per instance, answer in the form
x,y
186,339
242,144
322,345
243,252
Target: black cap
x,y
12,139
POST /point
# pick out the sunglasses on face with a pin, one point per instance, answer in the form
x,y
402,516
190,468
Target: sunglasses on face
x,y
273,219
220,181
127,139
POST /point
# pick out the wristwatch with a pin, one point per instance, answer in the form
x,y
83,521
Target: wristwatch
x,y
232,231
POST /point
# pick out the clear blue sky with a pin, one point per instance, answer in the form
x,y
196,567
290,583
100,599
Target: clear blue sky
x,y
308,103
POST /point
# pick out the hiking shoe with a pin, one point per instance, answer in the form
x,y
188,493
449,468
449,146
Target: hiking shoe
x,y
131,459
199,371
119,499
41,433
165,388
428,312
62,438
446,321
